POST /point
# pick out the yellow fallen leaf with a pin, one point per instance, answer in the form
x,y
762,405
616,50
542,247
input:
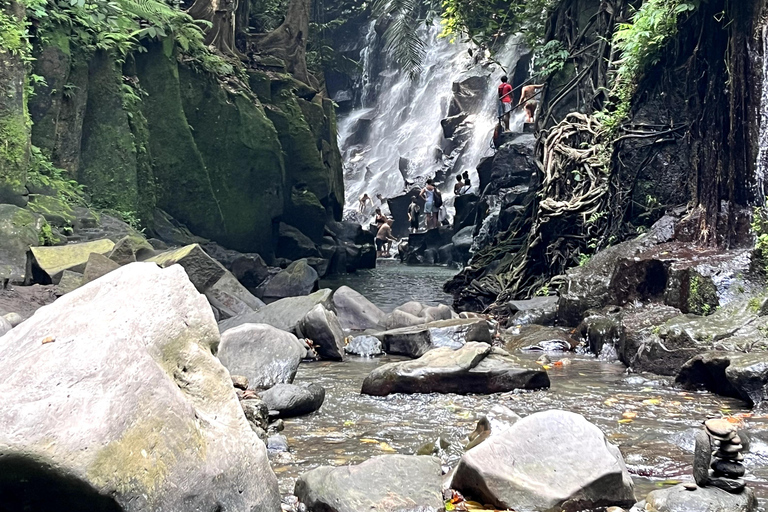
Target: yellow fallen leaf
x,y
547,367
625,420
348,423
48,339
647,389
386,448
610,402
369,441
652,401
629,414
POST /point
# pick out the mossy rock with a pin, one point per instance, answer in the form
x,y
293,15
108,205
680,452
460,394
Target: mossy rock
x,y
19,230
261,84
56,211
131,248
48,263
306,213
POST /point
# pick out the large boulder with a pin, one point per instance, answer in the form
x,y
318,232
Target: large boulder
x,y
48,263
285,314
299,278
19,230
733,374
290,400
323,328
355,312
295,245
550,460
131,248
473,368
231,298
262,353
416,341
97,266
202,270
146,417
386,482
701,499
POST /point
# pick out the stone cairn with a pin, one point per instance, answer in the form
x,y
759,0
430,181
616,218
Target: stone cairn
x,y
718,447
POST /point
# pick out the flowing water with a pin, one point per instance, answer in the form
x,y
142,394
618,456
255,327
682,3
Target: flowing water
x,y
349,428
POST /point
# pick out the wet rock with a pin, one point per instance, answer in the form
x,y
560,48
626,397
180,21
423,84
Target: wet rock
x,y
423,247
538,310
323,328
239,382
250,270
548,460
98,265
365,346
294,245
48,263
277,443
473,368
231,298
737,375
201,269
289,400
350,232
537,337
387,482
284,314
145,413
355,312
498,420
131,248
449,124
702,455
702,499
257,414
466,211
13,318
19,229
262,353
299,278
416,341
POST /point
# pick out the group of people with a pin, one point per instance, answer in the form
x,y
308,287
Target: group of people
x,y
527,100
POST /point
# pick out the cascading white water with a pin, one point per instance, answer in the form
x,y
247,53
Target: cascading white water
x,y
762,156
395,134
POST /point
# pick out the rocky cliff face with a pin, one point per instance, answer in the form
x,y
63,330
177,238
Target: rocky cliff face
x,y
228,157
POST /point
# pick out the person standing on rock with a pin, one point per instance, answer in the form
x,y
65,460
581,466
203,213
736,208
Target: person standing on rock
x,y
527,96
430,209
457,186
364,199
383,237
413,215
505,102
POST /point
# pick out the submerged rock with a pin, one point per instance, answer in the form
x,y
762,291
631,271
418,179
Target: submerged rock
x,y
537,337
289,400
416,341
473,368
145,414
262,353
546,461
387,482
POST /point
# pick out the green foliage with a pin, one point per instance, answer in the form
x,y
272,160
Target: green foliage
x,y
266,15
550,58
43,174
46,236
403,40
129,217
13,35
760,229
583,259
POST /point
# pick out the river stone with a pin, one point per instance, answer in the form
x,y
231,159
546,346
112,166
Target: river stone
x,y
13,318
439,312
262,353
365,346
732,485
231,298
19,229
703,499
412,308
323,328
52,261
546,461
383,483
285,314
289,400
277,443
299,278
473,368
538,310
702,455
720,427
131,248
257,414
97,266
355,312
728,468
113,389
538,337
398,319
201,269
416,341
734,374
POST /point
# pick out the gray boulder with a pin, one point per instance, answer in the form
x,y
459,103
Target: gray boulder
x,y
537,337
365,346
355,312
131,248
399,318
285,314
473,368
299,278
383,483
262,353
201,269
435,313
19,229
550,460
13,318
416,341
231,298
538,310
5,326
97,266
145,416
323,328
294,245
701,499
289,400
733,374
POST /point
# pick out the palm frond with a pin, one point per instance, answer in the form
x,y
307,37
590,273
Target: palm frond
x,y
402,38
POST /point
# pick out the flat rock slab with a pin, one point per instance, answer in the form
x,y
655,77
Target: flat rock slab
x,y
384,483
262,353
285,314
55,260
543,462
418,340
702,499
474,368
113,389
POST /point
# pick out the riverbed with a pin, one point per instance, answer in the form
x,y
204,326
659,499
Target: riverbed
x,y
648,417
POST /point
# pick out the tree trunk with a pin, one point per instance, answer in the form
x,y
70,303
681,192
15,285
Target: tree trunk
x,y
222,14
14,128
289,40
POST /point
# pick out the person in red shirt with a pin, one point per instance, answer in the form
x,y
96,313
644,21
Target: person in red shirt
x,y
505,102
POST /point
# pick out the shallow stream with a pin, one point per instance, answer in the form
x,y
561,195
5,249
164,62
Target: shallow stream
x,y
650,419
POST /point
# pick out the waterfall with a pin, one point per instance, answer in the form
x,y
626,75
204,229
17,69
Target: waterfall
x,y
762,156
393,139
